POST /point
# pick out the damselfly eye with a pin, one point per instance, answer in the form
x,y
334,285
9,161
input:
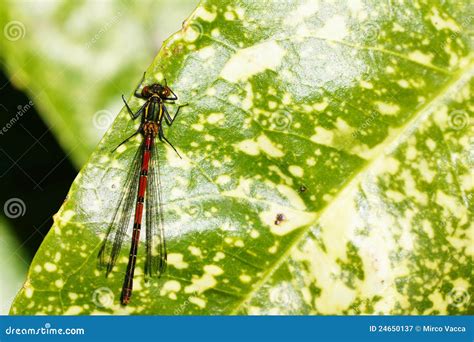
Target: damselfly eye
x,y
165,92
145,91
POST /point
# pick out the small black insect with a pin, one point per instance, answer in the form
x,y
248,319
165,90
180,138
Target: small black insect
x,y
279,219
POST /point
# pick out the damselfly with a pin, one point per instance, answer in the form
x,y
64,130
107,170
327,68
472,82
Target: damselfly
x,y
142,188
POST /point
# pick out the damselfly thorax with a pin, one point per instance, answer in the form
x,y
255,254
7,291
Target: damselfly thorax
x,y
151,127
153,110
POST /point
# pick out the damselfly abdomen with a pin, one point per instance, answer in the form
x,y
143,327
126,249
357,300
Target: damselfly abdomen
x,y
142,191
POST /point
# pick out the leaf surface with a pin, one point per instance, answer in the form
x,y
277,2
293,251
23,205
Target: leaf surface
x,y
327,169
14,265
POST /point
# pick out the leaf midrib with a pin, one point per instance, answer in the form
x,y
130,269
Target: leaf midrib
x,y
458,80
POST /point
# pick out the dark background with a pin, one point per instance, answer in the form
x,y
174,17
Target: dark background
x,y
33,168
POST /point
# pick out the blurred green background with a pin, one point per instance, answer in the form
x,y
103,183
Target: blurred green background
x,y
63,68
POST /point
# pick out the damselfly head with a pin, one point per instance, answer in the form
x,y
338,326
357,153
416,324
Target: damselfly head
x,y
156,89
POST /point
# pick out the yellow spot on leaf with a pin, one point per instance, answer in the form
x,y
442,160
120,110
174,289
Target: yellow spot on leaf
x,y
440,23
201,12
176,260
213,270
252,60
254,233
323,136
170,286
420,57
387,108
201,284
248,146
245,278
28,290
196,251
366,85
320,106
214,118
74,310
296,170
268,147
67,215
219,256
50,267
403,83
198,301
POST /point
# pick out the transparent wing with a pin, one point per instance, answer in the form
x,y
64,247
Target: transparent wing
x,y
123,216
156,257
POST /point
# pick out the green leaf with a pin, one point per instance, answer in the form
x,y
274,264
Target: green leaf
x,y
73,58
14,265
327,169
